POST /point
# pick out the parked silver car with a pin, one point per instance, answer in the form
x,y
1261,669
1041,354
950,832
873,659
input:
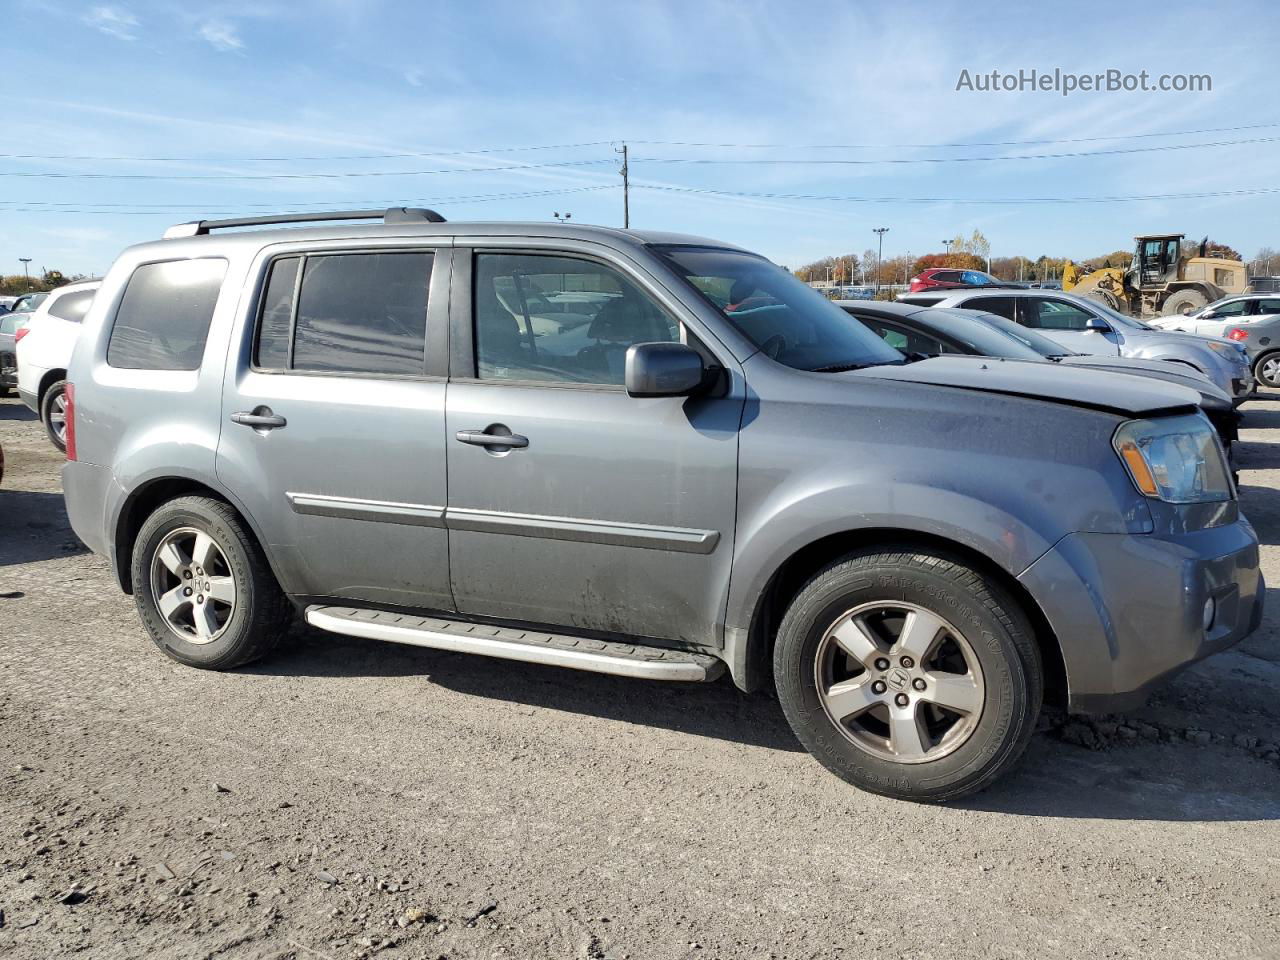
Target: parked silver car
x,y
399,431
1251,320
951,330
1086,326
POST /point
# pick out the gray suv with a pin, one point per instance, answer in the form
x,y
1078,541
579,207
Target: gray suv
x,y
649,455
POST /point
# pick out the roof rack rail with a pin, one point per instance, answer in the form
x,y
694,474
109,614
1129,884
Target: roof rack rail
x,y
196,228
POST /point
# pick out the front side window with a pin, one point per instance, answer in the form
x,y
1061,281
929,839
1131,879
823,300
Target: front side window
x,y
1048,314
788,320
72,306
1231,308
359,313
163,319
560,319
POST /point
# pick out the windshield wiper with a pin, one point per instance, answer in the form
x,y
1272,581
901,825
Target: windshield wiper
x,y
846,367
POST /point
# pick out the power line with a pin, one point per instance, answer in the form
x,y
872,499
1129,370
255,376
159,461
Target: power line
x,y
1209,194
584,163
757,161
209,209
943,146
663,143
300,176
355,156
325,204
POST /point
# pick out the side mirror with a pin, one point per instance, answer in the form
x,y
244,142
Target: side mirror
x,y
1097,325
663,370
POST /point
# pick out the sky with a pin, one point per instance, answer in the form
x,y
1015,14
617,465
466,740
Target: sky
x,y
495,110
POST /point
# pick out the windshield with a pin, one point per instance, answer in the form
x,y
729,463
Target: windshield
x,y
1038,342
1119,318
967,327
787,320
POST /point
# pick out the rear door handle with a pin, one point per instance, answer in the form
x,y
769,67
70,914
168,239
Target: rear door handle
x,y
482,438
260,418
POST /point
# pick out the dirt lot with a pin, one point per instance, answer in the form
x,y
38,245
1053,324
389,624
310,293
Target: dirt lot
x,y
348,798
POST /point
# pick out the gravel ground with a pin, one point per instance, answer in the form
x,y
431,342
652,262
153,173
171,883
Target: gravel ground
x,y
347,799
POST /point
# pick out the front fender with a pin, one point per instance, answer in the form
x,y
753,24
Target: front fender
x,y
779,533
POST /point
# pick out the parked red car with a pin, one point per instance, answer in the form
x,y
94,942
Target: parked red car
x,y
946,278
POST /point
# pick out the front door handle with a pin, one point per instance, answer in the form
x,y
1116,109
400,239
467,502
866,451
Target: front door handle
x,y
260,418
491,437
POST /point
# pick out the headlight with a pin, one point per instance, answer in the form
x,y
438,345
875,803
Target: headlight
x,y
1225,348
1176,459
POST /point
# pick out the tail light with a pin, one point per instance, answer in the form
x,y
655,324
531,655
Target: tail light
x,y
1238,334
20,333
70,396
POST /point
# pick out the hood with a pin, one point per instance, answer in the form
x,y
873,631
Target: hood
x,y
1072,385
1211,395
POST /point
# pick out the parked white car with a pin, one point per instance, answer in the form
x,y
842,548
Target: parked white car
x,y
45,350
1222,316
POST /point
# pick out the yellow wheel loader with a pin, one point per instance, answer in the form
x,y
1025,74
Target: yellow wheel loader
x,y
1160,281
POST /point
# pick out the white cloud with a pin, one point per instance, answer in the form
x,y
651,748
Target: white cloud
x,y
221,35
114,21
413,77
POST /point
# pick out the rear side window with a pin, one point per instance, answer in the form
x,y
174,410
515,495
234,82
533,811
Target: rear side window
x,y
363,313
1000,306
163,319
1268,306
72,306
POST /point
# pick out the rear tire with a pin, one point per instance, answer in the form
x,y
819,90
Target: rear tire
x,y
53,414
203,587
939,724
1267,369
1183,302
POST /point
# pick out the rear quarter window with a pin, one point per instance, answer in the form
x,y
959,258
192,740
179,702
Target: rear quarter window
x,y
163,319
72,306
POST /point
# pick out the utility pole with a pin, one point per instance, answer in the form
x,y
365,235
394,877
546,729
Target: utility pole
x,y
626,189
879,232
26,271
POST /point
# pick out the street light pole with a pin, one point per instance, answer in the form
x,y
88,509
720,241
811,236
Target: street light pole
x,y
879,232
26,272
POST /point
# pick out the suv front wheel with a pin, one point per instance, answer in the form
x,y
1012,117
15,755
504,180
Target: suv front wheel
x,y
203,587
908,675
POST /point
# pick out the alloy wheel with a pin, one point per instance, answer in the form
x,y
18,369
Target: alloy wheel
x,y
58,416
899,681
192,585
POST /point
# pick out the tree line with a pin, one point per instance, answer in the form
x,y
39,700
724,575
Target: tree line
x,y
974,253
19,283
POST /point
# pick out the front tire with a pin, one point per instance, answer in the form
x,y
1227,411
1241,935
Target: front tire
x,y
53,414
1183,302
909,675
203,587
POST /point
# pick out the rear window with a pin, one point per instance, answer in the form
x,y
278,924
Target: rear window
x,y
361,313
163,319
72,306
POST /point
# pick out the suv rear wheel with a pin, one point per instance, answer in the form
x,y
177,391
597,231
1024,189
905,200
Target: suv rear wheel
x,y
203,587
908,675
53,413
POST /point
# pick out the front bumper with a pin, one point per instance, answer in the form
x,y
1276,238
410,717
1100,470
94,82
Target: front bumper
x,y
1128,609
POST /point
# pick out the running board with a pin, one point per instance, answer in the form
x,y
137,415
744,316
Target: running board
x,y
510,643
